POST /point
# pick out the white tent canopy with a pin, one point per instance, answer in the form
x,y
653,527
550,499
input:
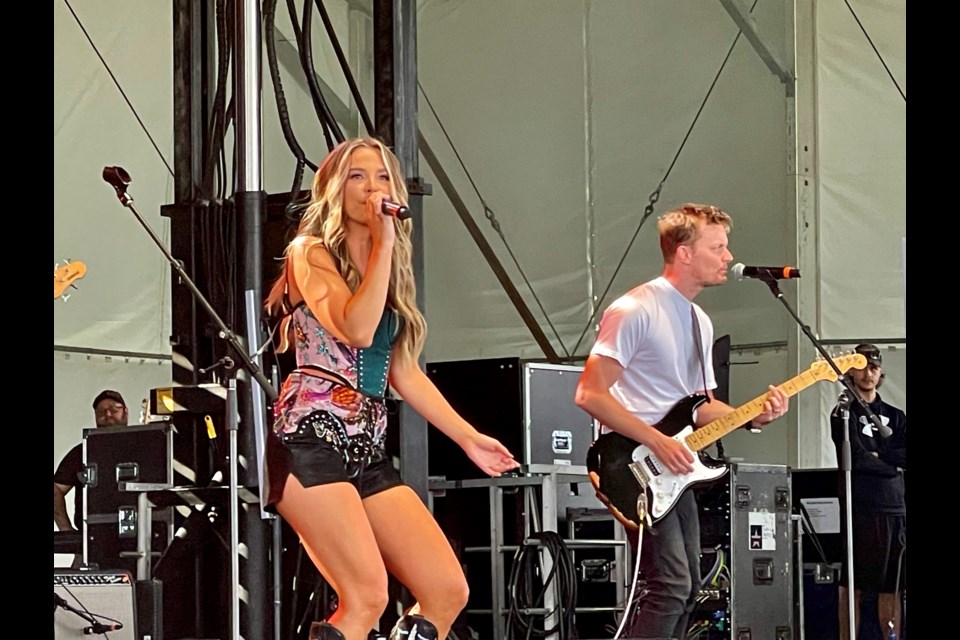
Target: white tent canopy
x,y
567,115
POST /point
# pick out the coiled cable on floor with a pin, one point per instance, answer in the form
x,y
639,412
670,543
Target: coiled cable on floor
x,y
526,593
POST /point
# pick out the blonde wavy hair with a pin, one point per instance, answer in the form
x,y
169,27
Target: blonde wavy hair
x,y
682,226
323,224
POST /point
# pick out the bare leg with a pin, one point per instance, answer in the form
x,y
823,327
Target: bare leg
x,y
417,552
335,533
888,610
844,615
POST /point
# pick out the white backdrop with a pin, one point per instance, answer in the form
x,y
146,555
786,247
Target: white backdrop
x,y
567,114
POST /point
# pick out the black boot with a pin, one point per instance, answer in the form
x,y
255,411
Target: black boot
x,y
324,631
414,627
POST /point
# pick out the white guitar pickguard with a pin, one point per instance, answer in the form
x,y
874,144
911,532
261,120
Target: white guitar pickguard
x,y
665,488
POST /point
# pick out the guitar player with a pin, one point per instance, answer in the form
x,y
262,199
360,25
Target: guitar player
x,y
652,351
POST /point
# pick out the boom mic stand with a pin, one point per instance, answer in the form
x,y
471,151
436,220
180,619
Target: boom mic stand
x,y
96,627
119,179
848,396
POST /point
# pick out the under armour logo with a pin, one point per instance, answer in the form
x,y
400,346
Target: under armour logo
x,y
413,634
867,427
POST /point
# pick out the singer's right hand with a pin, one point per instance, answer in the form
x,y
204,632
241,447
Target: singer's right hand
x,y
382,230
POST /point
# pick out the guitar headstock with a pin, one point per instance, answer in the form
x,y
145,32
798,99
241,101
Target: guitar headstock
x,y
823,371
65,276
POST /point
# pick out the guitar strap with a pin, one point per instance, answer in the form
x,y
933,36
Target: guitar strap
x,y
699,342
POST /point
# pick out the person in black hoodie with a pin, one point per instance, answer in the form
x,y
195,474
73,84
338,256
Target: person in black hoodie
x,y
878,459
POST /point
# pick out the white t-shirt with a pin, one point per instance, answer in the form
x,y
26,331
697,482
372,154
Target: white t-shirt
x,y
649,331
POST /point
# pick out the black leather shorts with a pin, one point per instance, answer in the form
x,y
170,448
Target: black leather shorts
x,y
314,460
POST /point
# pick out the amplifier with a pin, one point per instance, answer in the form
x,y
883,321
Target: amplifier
x,y
84,599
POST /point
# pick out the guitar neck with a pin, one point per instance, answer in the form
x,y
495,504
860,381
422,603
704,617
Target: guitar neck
x,y
709,433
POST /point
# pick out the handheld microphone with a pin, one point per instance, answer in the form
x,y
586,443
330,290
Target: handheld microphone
x,y
740,271
398,211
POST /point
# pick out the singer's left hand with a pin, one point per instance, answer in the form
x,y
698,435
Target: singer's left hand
x,y
775,405
489,454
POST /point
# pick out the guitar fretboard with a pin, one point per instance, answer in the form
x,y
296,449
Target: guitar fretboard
x,y
709,433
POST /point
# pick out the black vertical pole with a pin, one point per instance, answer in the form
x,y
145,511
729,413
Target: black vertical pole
x,y
189,64
191,55
395,95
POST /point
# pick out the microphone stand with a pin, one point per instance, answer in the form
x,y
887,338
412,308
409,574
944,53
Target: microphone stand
x,y
846,463
119,179
96,627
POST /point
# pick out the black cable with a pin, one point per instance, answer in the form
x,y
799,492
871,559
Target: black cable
x,y
492,218
655,196
306,61
227,123
526,593
270,11
354,90
294,22
213,145
298,35
294,209
122,93
215,226
876,51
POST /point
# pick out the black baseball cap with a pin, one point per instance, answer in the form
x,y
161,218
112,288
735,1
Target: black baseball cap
x,y
107,394
870,352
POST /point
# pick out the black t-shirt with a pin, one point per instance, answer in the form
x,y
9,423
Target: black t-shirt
x,y
878,485
68,473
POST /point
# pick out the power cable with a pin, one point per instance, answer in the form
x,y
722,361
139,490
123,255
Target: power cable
x,y
524,595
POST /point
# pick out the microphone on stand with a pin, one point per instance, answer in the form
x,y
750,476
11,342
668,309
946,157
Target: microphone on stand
x,y
118,179
843,402
100,629
398,211
741,271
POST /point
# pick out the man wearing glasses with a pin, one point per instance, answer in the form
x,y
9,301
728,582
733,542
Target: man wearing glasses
x,y
110,411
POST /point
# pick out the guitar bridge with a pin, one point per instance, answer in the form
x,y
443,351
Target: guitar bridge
x,y
639,473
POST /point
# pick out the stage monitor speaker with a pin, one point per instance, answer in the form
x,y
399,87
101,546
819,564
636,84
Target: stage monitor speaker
x,y
103,596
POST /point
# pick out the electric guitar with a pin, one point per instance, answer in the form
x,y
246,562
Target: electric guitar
x,y
65,276
620,469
